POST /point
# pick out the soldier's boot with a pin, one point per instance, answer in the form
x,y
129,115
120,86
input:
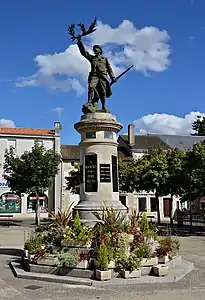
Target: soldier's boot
x,y
103,104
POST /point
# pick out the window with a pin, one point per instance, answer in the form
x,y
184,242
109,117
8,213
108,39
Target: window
x,y
11,144
31,203
142,204
153,204
90,135
10,203
108,135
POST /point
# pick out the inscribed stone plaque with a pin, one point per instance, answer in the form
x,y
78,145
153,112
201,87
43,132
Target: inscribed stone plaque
x,y
105,173
91,183
114,174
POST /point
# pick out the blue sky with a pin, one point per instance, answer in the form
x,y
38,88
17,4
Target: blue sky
x,y
163,87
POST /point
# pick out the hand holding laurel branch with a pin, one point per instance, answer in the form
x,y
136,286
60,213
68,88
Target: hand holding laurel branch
x,y
84,32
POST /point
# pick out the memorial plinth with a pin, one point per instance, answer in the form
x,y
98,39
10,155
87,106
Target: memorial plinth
x,y
98,165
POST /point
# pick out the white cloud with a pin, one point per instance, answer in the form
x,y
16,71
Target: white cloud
x,y
58,111
191,38
147,48
4,123
166,124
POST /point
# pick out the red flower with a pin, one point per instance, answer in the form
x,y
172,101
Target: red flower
x,y
115,233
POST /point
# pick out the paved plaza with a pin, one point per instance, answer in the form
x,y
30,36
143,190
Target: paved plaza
x,y
191,287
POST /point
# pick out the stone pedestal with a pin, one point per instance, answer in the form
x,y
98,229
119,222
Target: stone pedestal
x,y
98,165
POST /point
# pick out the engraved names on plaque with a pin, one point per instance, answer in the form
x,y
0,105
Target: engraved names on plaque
x,y
91,183
105,173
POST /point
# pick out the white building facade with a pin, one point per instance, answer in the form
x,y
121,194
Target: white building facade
x,y
21,140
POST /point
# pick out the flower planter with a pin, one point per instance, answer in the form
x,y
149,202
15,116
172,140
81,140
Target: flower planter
x,y
76,244
111,264
83,264
163,259
160,270
147,262
103,275
48,261
31,258
133,274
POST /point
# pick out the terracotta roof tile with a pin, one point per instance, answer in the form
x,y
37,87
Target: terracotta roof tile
x,y
27,131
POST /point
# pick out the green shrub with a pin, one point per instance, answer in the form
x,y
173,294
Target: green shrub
x,y
76,227
143,251
102,257
34,243
144,224
127,263
68,260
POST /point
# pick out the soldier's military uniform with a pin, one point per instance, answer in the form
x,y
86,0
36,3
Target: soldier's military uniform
x,y
98,83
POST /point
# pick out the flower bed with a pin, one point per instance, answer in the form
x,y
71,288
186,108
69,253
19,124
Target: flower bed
x,y
123,243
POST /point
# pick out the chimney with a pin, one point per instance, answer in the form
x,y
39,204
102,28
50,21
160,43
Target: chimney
x,y
131,134
57,127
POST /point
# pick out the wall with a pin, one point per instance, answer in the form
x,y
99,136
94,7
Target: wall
x,y
132,202
23,144
67,197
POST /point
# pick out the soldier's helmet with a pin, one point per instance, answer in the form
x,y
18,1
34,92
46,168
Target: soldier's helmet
x,y
97,47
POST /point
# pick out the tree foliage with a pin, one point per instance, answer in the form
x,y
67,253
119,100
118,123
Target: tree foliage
x,y
199,126
153,174
33,171
73,180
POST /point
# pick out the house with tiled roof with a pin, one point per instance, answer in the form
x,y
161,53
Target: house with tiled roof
x,y
21,140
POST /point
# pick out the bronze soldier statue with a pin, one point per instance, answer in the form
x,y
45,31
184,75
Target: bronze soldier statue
x,y
99,86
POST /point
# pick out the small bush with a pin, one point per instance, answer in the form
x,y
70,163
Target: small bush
x,y
103,257
68,260
143,251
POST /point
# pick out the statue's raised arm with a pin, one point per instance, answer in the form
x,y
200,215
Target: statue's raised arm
x,y
82,49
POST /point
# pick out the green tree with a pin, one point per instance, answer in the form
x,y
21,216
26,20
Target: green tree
x,y
173,184
128,175
152,174
199,126
73,180
193,175
32,172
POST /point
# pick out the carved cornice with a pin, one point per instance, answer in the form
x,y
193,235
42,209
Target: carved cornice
x,y
101,125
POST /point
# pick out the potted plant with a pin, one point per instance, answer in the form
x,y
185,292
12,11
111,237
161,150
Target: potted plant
x,y
46,257
102,272
32,245
67,261
77,235
145,256
165,246
83,260
128,266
